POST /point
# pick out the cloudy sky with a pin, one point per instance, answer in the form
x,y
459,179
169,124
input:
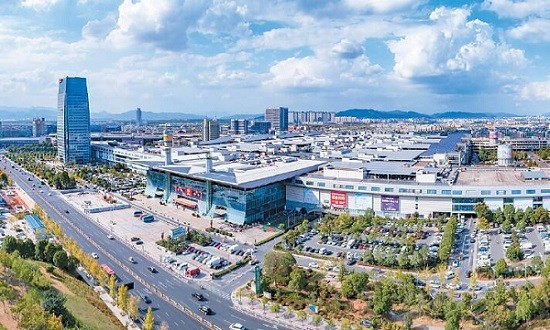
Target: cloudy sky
x,y
217,57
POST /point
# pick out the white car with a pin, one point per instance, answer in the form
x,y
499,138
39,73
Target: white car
x,y
236,326
313,265
94,255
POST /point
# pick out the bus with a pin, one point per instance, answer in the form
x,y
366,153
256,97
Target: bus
x,y
107,269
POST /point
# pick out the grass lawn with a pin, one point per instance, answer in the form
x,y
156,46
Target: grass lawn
x,y
82,302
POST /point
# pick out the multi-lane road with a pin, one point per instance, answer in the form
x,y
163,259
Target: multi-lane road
x,y
170,295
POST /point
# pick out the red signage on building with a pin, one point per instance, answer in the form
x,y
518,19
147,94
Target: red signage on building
x,y
338,199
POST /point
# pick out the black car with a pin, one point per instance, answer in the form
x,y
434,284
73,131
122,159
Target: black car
x,y
67,211
198,296
139,242
205,309
351,262
134,239
152,269
146,299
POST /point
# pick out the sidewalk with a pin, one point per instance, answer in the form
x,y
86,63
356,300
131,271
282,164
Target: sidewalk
x,y
109,302
281,318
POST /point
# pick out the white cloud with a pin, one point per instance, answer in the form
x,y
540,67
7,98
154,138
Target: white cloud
x,y
381,6
454,51
539,90
518,8
347,49
534,30
161,23
38,4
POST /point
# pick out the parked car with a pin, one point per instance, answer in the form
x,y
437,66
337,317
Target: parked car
x,y
152,269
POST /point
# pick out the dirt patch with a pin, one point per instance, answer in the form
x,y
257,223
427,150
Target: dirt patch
x,y
7,319
60,286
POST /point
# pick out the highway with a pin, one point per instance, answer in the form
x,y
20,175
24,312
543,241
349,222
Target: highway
x,y
169,294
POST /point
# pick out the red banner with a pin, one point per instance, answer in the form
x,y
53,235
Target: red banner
x,y
338,199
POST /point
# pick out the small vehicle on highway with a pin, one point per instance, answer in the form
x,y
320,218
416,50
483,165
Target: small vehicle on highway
x,y
198,296
67,211
152,269
110,236
313,265
236,326
205,309
134,239
132,260
139,242
94,255
146,299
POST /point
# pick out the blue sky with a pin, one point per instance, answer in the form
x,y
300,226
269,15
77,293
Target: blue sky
x,y
218,57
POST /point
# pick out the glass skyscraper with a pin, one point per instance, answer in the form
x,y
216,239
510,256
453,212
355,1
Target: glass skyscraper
x,y
73,121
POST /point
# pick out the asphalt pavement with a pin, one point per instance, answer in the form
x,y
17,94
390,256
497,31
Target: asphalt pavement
x,y
169,294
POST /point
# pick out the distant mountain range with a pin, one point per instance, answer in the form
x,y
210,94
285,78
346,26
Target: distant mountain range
x,y
399,114
50,114
19,114
145,116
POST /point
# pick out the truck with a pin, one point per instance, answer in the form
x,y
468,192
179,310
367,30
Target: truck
x,y
214,262
193,271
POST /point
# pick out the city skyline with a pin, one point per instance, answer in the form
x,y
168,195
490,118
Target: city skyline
x,y
198,57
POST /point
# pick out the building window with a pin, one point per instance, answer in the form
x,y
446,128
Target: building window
x,y
445,192
403,190
309,183
299,181
516,192
375,189
501,192
508,200
362,188
485,192
431,192
320,184
530,191
545,191
350,187
457,192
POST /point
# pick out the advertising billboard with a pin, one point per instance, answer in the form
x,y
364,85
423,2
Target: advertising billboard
x,y
389,203
338,199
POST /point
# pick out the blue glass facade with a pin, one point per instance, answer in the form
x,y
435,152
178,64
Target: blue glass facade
x,y
73,121
240,205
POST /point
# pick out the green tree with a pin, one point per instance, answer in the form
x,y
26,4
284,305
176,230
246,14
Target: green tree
x,y
50,250
501,267
524,307
513,252
278,266
54,302
452,318
537,263
26,248
149,321
381,300
541,215
10,244
301,315
40,250
354,284
60,259
482,211
298,279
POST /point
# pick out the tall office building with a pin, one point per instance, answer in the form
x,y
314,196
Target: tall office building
x,y
278,117
138,116
73,121
210,129
238,126
38,127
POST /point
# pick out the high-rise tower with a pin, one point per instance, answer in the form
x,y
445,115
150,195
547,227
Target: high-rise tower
x,y
73,121
278,117
210,129
138,116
